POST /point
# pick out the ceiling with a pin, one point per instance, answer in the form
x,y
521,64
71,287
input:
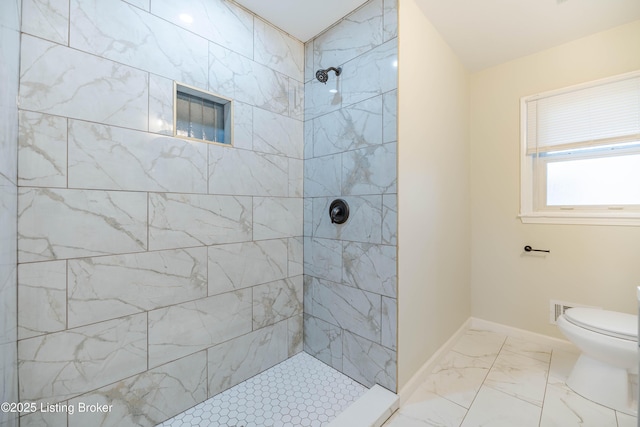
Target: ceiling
x,y
483,33
303,19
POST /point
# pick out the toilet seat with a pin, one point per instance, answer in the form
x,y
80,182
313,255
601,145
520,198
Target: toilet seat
x,y
619,325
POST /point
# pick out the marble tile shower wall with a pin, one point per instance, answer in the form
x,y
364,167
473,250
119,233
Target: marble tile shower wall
x,y
9,73
154,272
350,294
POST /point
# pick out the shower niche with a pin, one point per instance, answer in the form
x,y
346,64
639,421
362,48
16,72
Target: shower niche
x,y
201,115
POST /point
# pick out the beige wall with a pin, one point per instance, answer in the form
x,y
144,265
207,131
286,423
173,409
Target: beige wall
x,y
595,265
433,192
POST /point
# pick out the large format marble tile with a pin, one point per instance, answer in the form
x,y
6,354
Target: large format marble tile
x,y
295,256
390,116
296,99
235,76
44,419
47,19
247,173
323,259
373,73
236,360
562,363
108,287
10,54
323,341
148,398
364,223
323,176
161,93
320,98
390,219
530,349
357,33
126,34
424,409
625,420
276,301
65,364
8,262
482,344
309,67
370,170
390,27
66,82
458,378
519,376
113,158
42,150
351,309
241,265
353,127
278,50
183,220
186,328
220,21
277,217
142,4
562,407
370,267
242,125
295,334
56,224
389,337
368,362
277,134
493,408
296,178
42,298
9,384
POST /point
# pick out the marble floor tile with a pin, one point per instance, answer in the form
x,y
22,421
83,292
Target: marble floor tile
x,y
527,348
490,379
519,376
458,378
493,408
625,420
564,408
480,344
425,408
561,364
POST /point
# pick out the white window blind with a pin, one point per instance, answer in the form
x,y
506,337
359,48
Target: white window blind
x,y
606,113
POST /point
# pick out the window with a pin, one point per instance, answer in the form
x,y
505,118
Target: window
x,y
580,155
201,115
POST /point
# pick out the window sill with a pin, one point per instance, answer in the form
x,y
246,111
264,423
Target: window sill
x,y
582,218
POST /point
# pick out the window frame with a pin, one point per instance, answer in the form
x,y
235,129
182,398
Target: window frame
x,y
533,206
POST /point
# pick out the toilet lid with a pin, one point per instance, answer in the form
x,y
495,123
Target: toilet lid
x,y
619,325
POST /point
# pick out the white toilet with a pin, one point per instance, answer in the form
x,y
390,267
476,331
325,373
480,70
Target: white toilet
x,y
607,370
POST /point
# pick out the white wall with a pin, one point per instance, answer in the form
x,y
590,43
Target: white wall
x,y
433,192
595,265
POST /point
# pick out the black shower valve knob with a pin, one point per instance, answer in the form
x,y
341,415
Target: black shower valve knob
x,y
339,211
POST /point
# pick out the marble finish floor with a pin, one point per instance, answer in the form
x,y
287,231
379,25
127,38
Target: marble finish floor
x,y
301,391
489,379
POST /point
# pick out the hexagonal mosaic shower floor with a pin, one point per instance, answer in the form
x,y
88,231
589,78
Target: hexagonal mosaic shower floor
x,y
301,391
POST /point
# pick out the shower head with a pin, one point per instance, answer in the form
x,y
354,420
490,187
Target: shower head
x,y
323,75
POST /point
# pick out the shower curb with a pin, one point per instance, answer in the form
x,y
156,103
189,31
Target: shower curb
x,y
371,410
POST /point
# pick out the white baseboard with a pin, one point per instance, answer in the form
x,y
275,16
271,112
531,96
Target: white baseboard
x,y
555,343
